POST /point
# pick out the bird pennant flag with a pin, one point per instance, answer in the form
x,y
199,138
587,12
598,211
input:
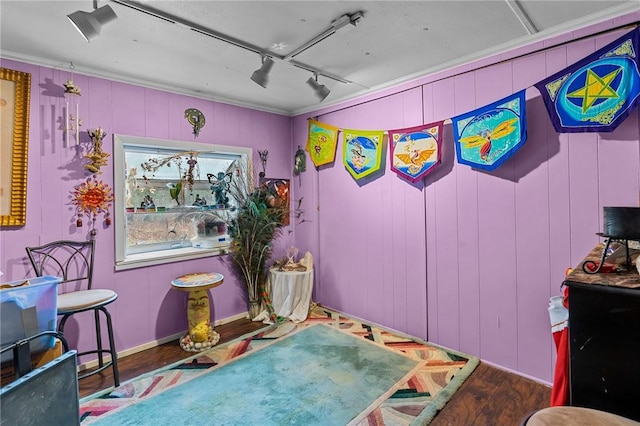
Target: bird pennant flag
x,y
415,151
322,142
597,93
362,151
487,137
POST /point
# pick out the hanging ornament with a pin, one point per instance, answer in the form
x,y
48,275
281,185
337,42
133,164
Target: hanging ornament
x,y
92,198
196,119
96,156
72,122
299,163
264,155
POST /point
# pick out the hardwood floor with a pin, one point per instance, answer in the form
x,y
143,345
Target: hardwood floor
x,y
490,396
151,359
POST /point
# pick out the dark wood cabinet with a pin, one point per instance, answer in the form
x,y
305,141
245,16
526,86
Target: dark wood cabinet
x,y
604,340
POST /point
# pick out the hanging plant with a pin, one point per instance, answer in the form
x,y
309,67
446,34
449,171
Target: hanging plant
x,y
153,164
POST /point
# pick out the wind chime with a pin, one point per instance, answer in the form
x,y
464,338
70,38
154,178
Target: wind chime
x,y
72,122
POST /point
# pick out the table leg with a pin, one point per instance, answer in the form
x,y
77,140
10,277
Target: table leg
x,y
201,335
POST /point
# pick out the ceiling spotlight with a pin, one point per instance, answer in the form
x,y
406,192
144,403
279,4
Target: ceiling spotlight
x,y
261,75
320,90
90,23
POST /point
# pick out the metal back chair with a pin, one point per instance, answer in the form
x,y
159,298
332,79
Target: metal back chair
x,y
73,262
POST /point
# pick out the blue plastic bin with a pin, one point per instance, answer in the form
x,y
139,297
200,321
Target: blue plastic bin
x,y
28,310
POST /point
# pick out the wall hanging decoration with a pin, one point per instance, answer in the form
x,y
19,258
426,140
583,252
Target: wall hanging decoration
x,y
322,142
72,121
362,151
220,185
92,198
278,196
264,156
597,93
487,137
415,151
196,119
96,156
299,163
299,211
15,92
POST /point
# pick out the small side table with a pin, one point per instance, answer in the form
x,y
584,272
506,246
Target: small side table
x,y
291,293
201,335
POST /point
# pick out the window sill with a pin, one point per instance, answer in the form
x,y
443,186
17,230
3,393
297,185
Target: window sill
x,y
141,260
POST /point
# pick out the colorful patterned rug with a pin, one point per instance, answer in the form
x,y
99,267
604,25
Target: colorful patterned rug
x,y
414,399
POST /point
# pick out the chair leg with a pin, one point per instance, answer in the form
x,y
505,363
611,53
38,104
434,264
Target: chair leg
x,y
63,321
96,322
100,350
112,348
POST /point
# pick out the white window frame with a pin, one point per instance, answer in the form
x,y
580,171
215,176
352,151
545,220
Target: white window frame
x,y
124,261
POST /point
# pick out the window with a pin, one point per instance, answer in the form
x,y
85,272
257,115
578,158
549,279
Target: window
x,y
170,199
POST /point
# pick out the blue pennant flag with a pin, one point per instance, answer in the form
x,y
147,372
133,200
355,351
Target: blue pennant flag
x,y
486,137
597,93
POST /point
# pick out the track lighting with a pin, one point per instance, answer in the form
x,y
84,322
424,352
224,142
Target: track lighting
x,y
261,75
320,90
90,23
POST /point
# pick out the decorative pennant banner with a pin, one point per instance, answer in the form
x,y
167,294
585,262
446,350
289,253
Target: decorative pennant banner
x,y
415,151
322,142
362,151
597,93
486,137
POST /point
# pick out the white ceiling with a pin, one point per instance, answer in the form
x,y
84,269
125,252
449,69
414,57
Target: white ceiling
x,y
396,41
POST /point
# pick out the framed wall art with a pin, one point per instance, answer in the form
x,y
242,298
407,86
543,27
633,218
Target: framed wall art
x,y
280,188
15,90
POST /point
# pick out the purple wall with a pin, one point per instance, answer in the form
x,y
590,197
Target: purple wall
x,y
147,308
466,259
470,259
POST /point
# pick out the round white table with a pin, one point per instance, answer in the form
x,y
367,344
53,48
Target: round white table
x,y
291,293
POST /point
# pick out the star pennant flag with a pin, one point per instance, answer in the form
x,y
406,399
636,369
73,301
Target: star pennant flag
x,y
487,137
415,151
322,142
362,151
597,93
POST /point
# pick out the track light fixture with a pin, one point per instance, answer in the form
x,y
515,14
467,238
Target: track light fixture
x,y
90,23
320,90
261,75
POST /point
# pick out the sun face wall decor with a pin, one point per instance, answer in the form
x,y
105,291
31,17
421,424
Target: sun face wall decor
x,y
92,198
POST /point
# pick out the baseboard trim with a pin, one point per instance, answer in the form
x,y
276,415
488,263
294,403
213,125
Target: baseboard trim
x,y
121,354
518,373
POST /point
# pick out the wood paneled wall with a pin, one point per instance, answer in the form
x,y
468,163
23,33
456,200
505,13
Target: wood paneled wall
x,y
470,258
147,308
